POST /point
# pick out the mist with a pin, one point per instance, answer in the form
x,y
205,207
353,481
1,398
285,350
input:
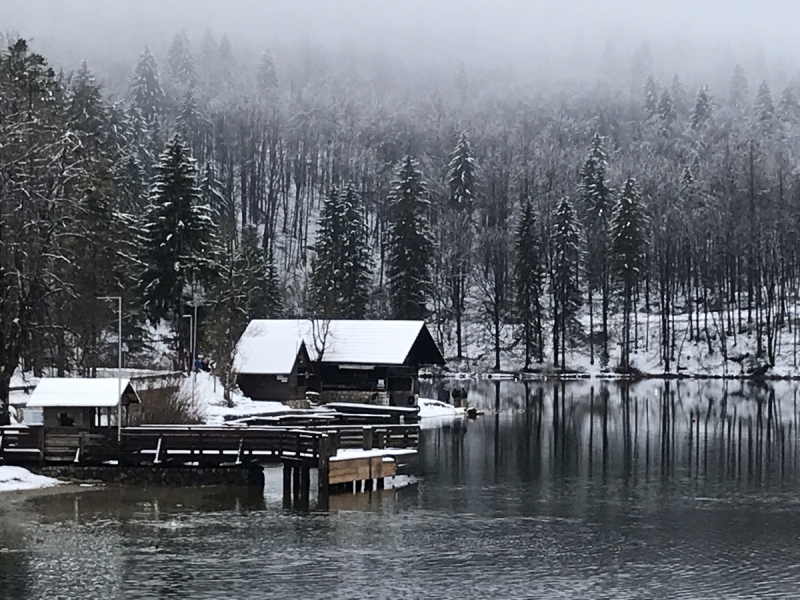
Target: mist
x,y
536,39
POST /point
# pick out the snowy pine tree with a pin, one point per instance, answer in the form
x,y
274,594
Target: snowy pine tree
x,y
146,92
528,280
357,265
461,175
131,184
789,107
764,106
179,240
597,205
703,107
180,62
222,209
629,248
267,76
666,109
409,244
261,287
566,258
651,97
458,232
739,88
340,276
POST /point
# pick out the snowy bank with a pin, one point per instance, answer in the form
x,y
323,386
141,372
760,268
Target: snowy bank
x,y
16,478
209,399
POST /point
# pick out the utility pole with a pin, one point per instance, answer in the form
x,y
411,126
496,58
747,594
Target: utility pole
x,y
119,362
192,333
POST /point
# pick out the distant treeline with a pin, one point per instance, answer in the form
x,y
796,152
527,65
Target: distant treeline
x,y
346,194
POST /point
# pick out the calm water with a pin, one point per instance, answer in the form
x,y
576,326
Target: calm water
x,y
657,491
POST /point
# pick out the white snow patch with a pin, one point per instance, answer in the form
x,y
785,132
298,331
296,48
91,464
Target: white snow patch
x,y
209,398
386,453
16,478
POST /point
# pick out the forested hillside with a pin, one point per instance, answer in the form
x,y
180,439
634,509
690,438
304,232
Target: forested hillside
x,y
516,221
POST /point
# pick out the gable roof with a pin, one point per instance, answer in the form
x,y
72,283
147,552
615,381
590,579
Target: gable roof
x,y
345,341
72,392
266,353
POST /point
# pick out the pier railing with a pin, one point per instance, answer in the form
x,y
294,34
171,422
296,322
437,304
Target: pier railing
x,y
196,445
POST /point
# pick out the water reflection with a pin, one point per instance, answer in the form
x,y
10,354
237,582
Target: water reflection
x,y
561,490
712,431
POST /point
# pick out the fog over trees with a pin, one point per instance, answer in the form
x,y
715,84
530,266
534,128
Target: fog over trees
x,y
524,175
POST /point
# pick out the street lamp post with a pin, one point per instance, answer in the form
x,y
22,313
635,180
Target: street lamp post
x,y
192,333
119,362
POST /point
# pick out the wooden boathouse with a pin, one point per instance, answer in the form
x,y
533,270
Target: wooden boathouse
x,y
80,413
371,362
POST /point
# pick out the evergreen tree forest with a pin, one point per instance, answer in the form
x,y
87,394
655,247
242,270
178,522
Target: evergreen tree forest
x,y
526,227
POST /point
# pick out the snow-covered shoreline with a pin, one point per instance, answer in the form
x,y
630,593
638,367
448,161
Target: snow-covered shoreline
x,y
14,479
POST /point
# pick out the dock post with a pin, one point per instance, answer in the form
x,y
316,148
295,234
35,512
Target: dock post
x,y
305,486
296,482
287,484
323,472
368,485
367,438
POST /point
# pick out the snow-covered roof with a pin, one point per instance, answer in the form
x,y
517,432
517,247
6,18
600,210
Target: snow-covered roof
x,y
266,353
79,392
339,341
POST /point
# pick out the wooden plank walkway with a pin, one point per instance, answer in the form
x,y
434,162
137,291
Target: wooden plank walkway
x,y
164,446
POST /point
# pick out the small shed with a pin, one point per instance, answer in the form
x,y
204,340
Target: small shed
x,y
272,367
82,404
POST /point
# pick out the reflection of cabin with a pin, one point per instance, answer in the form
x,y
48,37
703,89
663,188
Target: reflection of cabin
x,y
272,368
80,412
375,362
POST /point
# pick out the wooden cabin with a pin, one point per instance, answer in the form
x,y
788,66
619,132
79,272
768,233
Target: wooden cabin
x,y
273,367
373,362
78,413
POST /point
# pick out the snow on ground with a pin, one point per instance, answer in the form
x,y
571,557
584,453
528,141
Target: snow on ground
x,y
701,356
210,400
16,478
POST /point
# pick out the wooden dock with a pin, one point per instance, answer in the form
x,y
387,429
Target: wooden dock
x,y
342,455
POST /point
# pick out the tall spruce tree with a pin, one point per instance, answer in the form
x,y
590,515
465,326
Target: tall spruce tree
x,y
528,279
597,200
267,76
409,244
340,277
764,107
629,251
179,239
147,94
703,107
260,282
357,258
566,257
651,97
666,109
180,62
458,232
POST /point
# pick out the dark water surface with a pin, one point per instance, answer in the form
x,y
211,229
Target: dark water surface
x,y
577,491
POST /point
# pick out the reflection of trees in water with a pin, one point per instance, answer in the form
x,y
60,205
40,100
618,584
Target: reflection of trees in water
x,y
735,431
15,562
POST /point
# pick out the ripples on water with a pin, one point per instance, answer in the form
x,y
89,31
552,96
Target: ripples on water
x,y
564,492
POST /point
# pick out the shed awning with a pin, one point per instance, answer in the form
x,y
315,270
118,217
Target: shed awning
x,y
76,392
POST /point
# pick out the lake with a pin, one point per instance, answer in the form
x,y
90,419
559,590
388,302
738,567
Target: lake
x,y
574,490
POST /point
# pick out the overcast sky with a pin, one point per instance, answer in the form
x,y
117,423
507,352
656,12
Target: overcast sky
x,y
489,31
